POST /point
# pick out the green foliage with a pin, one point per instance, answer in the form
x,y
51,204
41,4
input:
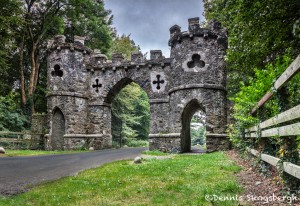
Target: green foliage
x,y
11,118
89,18
198,129
258,32
155,153
250,94
136,143
293,90
10,22
124,45
130,114
181,180
263,38
198,135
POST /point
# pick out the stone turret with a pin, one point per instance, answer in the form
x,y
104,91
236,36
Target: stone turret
x,y
199,51
67,97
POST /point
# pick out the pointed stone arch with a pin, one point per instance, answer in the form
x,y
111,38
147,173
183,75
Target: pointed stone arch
x,y
111,121
116,88
189,110
58,129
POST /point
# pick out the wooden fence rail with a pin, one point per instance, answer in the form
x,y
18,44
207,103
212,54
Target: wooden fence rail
x,y
17,138
273,126
288,167
291,71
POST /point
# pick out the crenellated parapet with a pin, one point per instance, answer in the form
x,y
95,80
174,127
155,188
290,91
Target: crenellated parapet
x,y
212,31
118,62
59,43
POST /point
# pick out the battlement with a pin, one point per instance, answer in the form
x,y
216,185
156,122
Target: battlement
x,y
212,31
99,61
59,42
138,61
95,60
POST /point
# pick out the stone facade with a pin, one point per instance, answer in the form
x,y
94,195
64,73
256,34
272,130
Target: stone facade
x,y
83,84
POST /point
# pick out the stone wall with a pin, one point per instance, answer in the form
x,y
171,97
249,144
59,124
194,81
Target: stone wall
x,y
38,130
39,124
83,84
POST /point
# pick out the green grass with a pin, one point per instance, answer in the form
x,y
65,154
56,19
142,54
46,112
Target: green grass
x,y
12,153
181,180
155,153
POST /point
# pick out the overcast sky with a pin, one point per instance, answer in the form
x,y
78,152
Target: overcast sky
x,y
148,21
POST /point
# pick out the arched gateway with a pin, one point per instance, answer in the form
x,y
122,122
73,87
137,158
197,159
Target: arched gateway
x,y
83,83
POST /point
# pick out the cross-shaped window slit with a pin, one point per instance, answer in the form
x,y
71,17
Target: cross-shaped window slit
x,y
158,82
196,62
97,85
57,71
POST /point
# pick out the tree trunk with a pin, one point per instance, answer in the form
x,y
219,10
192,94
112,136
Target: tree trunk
x,y
33,71
22,78
32,77
37,65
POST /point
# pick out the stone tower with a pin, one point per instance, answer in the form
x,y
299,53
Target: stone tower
x,y
198,78
83,83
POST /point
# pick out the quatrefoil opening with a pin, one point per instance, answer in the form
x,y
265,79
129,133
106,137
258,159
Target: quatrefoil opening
x,y
196,62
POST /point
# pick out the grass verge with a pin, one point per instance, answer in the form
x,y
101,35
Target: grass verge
x,y
12,153
181,180
155,153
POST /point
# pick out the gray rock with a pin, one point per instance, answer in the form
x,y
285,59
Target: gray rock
x,y
2,150
137,160
91,149
258,183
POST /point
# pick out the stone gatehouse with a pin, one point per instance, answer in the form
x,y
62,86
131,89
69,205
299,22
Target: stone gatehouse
x,y
83,83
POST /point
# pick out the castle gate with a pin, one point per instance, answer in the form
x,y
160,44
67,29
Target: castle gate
x,y
83,84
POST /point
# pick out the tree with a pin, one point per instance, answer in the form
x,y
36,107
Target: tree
x,y
258,33
124,45
90,19
130,113
43,20
10,21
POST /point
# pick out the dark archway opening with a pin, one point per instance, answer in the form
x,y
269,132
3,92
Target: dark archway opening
x,y
130,115
58,130
193,131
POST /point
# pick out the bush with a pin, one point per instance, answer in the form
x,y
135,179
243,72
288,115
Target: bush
x,y
250,94
136,143
11,117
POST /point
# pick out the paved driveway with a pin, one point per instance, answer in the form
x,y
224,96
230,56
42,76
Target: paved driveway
x,y
17,173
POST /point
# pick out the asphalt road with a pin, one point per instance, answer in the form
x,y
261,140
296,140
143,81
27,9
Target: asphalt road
x,y
19,174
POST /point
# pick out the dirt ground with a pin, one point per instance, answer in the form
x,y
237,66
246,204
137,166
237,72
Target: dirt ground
x,y
260,190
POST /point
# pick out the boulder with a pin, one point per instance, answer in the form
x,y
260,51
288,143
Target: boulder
x,y
137,160
2,150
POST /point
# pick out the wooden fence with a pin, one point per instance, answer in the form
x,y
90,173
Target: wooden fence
x,y
21,140
271,127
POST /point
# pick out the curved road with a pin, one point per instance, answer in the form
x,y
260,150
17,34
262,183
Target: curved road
x,y
17,174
